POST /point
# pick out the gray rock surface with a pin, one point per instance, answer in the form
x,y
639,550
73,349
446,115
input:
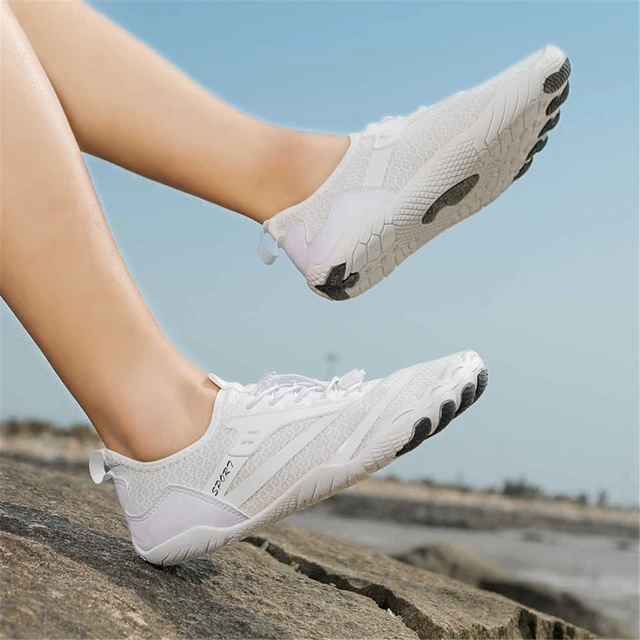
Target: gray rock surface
x,y
435,513
458,561
68,570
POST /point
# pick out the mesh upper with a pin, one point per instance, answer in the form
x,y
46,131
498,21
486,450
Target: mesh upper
x,y
317,452
416,144
193,466
269,447
423,377
190,467
315,209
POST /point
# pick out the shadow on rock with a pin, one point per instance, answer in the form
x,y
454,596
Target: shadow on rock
x,y
175,593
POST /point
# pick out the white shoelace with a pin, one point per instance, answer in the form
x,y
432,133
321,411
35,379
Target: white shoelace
x,y
277,386
390,126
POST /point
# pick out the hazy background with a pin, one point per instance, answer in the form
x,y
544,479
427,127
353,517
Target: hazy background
x,y
543,284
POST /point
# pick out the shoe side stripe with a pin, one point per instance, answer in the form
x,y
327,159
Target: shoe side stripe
x,y
264,473
351,444
377,169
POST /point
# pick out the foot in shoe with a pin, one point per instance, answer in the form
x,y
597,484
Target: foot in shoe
x,y
406,179
278,446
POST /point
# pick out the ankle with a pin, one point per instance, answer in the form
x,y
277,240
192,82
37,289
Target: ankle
x,y
159,423
299,164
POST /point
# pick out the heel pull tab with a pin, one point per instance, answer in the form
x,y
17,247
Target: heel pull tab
x,y
267,255
98,467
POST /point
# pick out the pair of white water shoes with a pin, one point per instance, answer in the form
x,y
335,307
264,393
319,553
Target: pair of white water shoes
x,y
289,441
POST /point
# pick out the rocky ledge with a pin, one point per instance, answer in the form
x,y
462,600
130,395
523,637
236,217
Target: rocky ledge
x,y
68,570
461,563
463,512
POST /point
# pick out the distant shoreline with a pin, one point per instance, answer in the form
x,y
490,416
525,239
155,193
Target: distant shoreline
x,y
476,512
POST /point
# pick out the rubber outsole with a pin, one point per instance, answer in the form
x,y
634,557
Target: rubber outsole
x,y
538,147
456,392
448,411
555,104
336,285
550,124
374,256
451,197
556,80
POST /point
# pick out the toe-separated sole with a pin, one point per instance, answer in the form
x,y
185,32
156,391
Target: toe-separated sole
x,y
423,429
466,175
459,386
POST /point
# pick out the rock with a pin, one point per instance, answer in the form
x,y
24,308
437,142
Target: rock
x,y
556,603
40,440
68,570
454,560
430,604
459,562
436,512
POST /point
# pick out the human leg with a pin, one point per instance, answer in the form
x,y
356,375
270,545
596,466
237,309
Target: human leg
x,y
269,449
346,210
128,105
63,277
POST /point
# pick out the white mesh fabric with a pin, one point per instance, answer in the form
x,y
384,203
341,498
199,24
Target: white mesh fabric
x,y
270,447
441,123
193,466
416,144
423,378
319,450
424,137
190,467
349,174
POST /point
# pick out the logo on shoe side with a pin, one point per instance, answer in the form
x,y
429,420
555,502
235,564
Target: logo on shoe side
x,y
222,478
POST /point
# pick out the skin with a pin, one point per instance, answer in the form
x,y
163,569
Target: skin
x,y
60,270
128,105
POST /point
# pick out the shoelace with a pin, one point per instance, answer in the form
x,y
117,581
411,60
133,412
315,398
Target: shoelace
x,y
391,125
277,386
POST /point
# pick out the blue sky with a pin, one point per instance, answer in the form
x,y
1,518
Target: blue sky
x,y
543,283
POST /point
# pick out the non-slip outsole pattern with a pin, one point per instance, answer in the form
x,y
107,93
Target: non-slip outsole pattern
x,y
421,431
556,80
451,197
483,381
555,104
550,124
336,285
551,85
537,147
385,248
523,169
448,411
467,398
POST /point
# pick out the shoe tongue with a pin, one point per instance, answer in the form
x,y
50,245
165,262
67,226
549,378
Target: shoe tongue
x,y
223,384
352,377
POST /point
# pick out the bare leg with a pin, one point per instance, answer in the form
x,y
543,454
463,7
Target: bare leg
x,y
128,105
62,275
